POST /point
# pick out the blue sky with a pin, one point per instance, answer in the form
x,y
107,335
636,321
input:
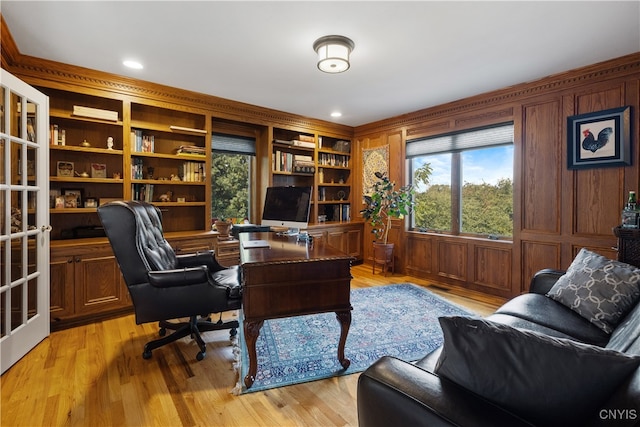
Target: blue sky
x,y
487,165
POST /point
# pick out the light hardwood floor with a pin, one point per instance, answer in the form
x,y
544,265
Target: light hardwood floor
x,y
95,375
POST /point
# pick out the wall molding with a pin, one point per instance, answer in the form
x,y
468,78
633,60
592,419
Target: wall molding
x,y
614,68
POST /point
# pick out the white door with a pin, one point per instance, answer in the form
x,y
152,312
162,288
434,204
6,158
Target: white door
x,y
24,218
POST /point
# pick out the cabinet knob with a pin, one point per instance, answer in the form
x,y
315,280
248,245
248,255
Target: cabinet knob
x,y
78,259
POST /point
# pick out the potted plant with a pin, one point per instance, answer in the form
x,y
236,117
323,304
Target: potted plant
x,y
223,226
384,203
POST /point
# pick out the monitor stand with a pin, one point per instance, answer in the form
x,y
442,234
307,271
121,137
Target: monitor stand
x,y
289,232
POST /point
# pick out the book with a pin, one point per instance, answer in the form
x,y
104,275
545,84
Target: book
x,y
307,138
305,144
95,113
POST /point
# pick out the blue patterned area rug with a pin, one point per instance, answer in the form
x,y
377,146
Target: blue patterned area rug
x,y
399,320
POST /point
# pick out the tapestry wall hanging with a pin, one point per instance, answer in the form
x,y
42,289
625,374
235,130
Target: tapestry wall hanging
x,y
374,160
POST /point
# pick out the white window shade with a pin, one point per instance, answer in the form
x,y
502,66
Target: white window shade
x,y
476,138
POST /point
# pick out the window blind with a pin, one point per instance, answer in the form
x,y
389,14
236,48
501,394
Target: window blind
x,y
474,138
233,144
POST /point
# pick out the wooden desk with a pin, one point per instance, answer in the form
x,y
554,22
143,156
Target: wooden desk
x,y
292,279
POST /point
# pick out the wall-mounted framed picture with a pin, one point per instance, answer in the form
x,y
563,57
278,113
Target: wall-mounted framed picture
x,y
599,139
72,197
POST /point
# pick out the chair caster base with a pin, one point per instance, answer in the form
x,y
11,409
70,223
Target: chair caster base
x,y
146,354
200,355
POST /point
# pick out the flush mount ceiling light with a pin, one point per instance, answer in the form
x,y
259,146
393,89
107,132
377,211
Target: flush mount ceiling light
x,y
333,53
132,64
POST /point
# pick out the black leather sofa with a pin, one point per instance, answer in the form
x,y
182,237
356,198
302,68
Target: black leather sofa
x,y
394,392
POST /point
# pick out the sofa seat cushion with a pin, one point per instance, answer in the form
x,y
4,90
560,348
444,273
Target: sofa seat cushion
x,y
545,380
599,289
541,311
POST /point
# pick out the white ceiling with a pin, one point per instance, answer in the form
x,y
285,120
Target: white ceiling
x,y
408,55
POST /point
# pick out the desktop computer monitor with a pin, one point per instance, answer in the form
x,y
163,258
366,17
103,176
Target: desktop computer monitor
x,y
287,207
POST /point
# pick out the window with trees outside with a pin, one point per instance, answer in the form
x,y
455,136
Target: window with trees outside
x,y
464,182
231,161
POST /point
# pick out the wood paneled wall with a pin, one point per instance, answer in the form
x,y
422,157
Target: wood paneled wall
x,y
557,211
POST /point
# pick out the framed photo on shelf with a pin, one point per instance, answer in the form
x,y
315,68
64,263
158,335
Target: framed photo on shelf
x,y
72,197
64,169
599,139
98,170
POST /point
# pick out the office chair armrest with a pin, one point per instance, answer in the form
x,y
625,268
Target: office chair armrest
x,y
200,258
179,277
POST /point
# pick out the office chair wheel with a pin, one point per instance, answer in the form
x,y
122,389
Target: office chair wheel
x,y
200,355
233,332
146,354
162,332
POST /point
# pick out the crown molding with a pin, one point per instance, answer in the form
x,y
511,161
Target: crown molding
x,y
46,73
615,68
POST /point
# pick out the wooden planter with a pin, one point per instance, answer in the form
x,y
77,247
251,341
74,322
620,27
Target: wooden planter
x,y
383,255
223,229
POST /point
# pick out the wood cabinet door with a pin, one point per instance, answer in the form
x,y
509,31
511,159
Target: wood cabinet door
x,y
335,238
99,284
62,287
353,241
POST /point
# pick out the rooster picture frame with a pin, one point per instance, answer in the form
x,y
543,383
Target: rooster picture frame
x,y
599,139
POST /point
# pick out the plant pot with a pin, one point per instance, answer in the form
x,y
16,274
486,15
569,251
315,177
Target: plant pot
x,y
383,255
223,228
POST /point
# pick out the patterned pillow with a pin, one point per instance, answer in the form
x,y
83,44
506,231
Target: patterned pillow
x,y
599,289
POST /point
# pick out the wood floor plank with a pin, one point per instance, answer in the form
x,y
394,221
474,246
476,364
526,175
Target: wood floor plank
x,y
95,375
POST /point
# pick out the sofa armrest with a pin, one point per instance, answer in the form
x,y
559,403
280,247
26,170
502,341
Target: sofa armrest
x,y
544,280
394,392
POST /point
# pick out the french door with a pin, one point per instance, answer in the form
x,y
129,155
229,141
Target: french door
x,y
24,218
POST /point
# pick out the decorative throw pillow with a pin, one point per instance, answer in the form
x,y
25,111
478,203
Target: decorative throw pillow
x,y
599,289
545,380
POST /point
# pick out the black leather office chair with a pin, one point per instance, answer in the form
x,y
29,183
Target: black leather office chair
x,y
165,286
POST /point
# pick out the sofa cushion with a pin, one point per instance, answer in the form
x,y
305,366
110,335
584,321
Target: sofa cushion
x,y
599,289
548,381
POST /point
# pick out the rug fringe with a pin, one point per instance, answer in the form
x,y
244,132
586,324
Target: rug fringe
x,y
237,365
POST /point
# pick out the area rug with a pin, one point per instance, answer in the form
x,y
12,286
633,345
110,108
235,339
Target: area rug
x,y
400,320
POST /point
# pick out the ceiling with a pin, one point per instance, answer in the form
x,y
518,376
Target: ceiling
x,y
408,55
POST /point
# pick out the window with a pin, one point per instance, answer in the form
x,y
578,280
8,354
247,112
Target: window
x,y
464,182
231,162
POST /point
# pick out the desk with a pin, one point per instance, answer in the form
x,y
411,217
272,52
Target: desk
x,y
292,279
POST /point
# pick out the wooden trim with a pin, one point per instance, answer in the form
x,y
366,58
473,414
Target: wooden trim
x,y
625,65
42,72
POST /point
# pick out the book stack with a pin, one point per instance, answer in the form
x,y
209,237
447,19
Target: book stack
x,y
142,192
305,141
303,163
137,168
142,143
57,136
191,150
193,172
328,159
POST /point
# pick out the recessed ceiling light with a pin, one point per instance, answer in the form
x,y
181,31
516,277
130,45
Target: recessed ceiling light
x,y
133,64
336,114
